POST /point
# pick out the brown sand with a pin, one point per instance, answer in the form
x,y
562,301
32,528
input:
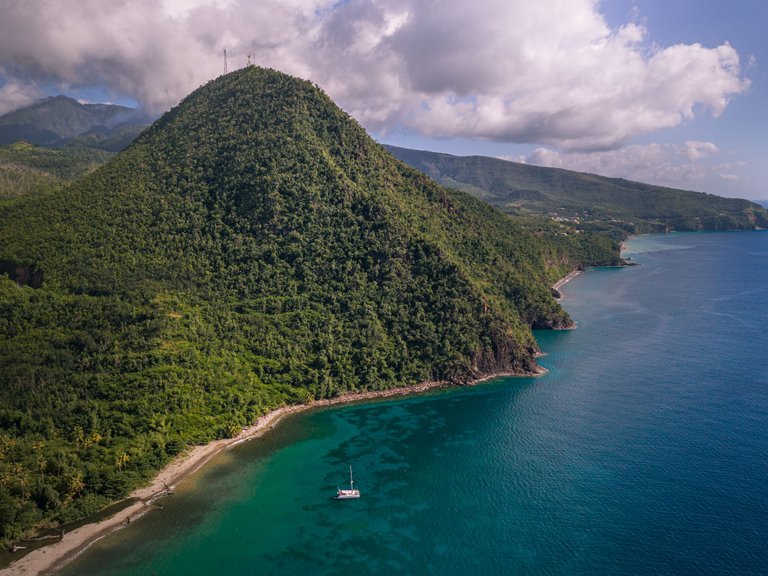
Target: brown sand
x,y
565,279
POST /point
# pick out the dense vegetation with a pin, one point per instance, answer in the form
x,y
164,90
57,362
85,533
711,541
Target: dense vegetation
x,y
588,201
253,248
25,168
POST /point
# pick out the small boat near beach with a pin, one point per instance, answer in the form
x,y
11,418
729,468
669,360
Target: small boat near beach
x,y
352,492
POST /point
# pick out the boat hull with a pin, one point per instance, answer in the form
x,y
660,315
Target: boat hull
x,y
347,494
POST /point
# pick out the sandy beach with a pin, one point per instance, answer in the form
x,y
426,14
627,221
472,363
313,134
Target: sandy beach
x,y
52,557
564,280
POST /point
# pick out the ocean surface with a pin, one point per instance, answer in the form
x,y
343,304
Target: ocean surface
x,y
644,450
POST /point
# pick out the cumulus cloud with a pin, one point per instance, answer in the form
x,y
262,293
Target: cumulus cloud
x,y
550,72
14,94
156,51
690,165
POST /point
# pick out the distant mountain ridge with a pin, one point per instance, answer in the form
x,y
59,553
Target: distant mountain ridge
x,y
60,120
588,200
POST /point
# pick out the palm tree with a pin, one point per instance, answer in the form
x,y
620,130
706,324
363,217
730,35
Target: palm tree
x,y
20,474
121,460
37,448
8,447
75,484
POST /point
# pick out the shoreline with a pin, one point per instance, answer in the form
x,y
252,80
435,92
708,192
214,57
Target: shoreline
x,y
563,281
52,557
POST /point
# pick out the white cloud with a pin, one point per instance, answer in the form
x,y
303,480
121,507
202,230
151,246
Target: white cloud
x,y
692,165
15,94
181,8
694,150
550,72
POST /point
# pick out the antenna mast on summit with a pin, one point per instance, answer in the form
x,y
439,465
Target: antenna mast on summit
x,y
225,60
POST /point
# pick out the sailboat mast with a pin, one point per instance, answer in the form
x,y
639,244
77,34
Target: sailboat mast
x,y
351,482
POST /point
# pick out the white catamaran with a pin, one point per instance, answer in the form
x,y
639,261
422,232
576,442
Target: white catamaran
x,y
342,494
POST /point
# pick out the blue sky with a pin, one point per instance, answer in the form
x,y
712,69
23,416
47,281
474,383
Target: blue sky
x,y
664,91
740,132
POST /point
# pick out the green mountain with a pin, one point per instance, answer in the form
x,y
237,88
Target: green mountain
x,y
59,120
588,200
253,248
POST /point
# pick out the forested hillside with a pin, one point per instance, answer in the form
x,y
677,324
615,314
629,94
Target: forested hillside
x,y
26,168
253,248
588,201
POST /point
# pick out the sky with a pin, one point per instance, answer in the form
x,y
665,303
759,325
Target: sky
x,y
670,92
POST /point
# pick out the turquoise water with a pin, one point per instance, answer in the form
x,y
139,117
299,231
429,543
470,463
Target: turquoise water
x,y
644,450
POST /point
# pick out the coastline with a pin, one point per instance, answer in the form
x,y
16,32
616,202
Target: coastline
x,y
563,281
52,557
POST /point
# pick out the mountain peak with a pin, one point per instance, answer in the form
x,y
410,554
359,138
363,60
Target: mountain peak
x,y
56,120
252,101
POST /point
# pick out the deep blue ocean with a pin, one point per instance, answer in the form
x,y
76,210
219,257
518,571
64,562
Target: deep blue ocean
x,y
643,451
